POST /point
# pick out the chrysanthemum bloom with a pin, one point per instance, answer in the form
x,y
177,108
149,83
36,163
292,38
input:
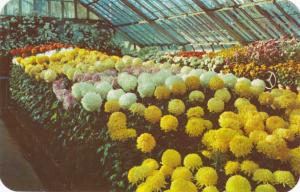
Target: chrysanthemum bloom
x,y
238,183
111,106
151,163
178,88
176,107
294,159
243,89
138,173
215,105
221,139
210,189
249,167
206,176
257,135
162,92
239,102
287,134
91,101
192,161
273,147
265,188
195,127
231,167
182,173
145,142
127,100
231,120
144,187
192,82
166,170
255,123
137,109
240,146
263,176
168,123
208,124
263,115
117,120
122,134
216,83
180,185
223,94
196,96
206,153
275,122
265,98
152,114
115,94
195,112
171,158
156,181
284,178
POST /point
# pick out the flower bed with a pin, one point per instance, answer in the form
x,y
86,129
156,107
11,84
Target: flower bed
x,y
150,127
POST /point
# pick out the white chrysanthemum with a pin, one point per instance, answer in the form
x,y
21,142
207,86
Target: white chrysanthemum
x,y
103,88
127,100
173,79
206,77
229,80
137,61
257,86
91,102
82,88
223,94
115,94
185,70
127,60
160,77
244,80
196,72
127,82
145,77
49,75
119,65
146,89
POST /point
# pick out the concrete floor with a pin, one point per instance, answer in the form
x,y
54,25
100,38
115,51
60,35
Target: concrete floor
x,y
16,173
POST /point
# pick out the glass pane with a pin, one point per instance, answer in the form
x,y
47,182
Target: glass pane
x,y
93,16
2,11
69,11
41,7
56,9
13,7
82,13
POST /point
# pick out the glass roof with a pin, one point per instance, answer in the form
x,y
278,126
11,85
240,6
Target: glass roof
x,y
199,22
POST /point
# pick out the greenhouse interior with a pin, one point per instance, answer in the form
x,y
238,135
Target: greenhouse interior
x,y
150,95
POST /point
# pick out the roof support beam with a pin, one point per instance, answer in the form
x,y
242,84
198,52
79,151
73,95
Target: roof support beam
x,y
290,18
220,22
153,24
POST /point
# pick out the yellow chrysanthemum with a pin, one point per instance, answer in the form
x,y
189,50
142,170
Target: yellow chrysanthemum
x,y
162,92
138,173
208,124
284,178
166,170
176,107
257,135
263,115
273,147
275,122
265,188
195,127
145,142
216,83
122,134
168,123
137,109
152,114
207,154
243,89
171,158
231,167
182,173
265,98
239,102
156,181
210,189
192,161
178,88
240,146
263,176
195,112
151,163
255,123
249,167
111,106
206,176
238,183
196,96
294,159
223,94
231,120
287,134
117,120
192,82
144,187
181,185
215,105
